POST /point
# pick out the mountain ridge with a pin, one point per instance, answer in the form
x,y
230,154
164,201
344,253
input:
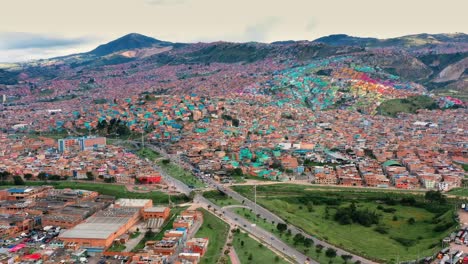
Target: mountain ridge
x,y
128,42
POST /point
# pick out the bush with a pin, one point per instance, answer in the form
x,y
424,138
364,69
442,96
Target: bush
x,y
350,214
330,253
442,227
381,229
408,201
404,241
386,210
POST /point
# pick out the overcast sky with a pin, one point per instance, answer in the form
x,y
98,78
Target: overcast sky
x,y
31,29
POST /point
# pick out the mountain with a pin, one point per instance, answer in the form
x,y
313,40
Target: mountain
x,y
346,40
404,41
321,74
128,42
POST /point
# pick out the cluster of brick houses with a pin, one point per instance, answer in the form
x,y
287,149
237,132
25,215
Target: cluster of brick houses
x,y
176,243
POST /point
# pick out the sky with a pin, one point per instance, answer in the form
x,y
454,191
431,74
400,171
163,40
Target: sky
x,y
32,29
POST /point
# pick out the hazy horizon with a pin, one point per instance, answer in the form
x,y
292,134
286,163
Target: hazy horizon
x,y
50,28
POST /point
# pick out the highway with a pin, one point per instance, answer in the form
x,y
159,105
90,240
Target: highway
x,y
234,219
258,232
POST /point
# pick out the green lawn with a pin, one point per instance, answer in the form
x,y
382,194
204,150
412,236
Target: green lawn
x,y
219,198
148,154
288,239
116,247
337,188
181,174
159,235
459,192
260,254
119,191
135,234
306,208
216,230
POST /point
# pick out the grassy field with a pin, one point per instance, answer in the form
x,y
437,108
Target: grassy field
x,y
337,188
148,154
407,105
288,239
219,198
246,246
217,231
463,192
314,212
119,191
159,235
179,173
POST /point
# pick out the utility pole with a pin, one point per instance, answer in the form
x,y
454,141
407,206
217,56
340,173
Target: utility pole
x,y
255,198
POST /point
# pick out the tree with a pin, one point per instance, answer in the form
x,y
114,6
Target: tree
x,y
149,234
42,176
250,256
298,238
411,221
277,258
330,253
223,260
4,175
28,176
123,130
109,180
281,227
318,249
89,175
435,196
308,242
346,258
17,180
242,243
102,125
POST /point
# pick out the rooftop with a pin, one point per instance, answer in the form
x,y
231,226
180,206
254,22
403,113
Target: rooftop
x,y
96,227
132,202
159,209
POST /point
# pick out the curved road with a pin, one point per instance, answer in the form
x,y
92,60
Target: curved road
x,y
294,230
258,232
246,225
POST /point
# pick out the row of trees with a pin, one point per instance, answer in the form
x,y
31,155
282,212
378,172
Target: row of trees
x,y
307,242
18,180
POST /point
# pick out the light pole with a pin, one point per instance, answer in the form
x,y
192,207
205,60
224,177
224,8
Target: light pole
x,y
255,198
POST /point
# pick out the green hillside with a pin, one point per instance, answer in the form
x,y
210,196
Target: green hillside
x,y
406,105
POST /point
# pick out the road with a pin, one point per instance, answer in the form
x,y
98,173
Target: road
x,y
267,237
264,213
233,218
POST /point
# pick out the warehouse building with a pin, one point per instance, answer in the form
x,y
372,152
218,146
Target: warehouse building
x,y
100,230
